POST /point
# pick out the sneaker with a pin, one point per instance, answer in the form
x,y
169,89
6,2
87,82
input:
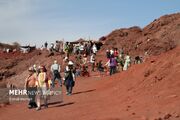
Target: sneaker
x,y
69,94
35,106
30,106
38,108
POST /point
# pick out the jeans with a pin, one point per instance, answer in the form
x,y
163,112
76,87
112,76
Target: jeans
x,y
69,89
32,94
58,77
112,69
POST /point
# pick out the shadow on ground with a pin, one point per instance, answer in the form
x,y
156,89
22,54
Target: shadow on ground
x,y
87,91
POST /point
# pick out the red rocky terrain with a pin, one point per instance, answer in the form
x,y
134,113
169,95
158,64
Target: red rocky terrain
x,y
159,36
147,91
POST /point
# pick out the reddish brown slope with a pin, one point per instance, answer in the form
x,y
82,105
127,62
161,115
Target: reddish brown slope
x,y
159,36
148,91
14,66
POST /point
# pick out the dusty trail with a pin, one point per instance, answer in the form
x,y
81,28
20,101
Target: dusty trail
x,y
79,105
148,91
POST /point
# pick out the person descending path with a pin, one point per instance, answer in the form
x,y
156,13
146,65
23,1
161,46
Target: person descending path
x,y
55,69
42,83
69,78
30,86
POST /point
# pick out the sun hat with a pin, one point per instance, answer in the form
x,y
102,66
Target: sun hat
x,y
70,63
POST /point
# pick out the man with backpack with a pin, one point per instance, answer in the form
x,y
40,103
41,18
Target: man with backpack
x,y
55,69
69,78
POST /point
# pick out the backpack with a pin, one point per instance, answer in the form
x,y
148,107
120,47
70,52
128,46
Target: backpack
x,y
68,75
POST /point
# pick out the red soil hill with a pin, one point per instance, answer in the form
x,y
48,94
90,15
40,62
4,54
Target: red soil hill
x,y
159,36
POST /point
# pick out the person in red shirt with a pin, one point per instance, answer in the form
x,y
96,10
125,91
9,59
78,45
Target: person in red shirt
x,y
116,53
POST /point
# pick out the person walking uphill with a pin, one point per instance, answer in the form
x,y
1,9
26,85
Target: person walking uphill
x,y
30,86
69,78
55,69
127,62
112,63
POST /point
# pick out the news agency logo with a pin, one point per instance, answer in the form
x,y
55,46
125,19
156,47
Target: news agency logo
x,y
21,94
18,92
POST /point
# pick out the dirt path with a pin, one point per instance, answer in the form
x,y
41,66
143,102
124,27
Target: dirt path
x,y
75,106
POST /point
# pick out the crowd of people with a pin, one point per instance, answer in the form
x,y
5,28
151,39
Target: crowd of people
x,y
85,47
83,62
39,80
85,54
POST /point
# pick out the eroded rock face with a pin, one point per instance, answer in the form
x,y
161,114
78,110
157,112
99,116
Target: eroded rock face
x,y
5,74
2,84
159,36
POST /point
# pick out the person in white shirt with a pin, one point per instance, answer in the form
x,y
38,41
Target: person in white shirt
x,y
55,69
127,62
94,48
81,48
92,61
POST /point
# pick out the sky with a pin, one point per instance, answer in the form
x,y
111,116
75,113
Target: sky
x,y
37,21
